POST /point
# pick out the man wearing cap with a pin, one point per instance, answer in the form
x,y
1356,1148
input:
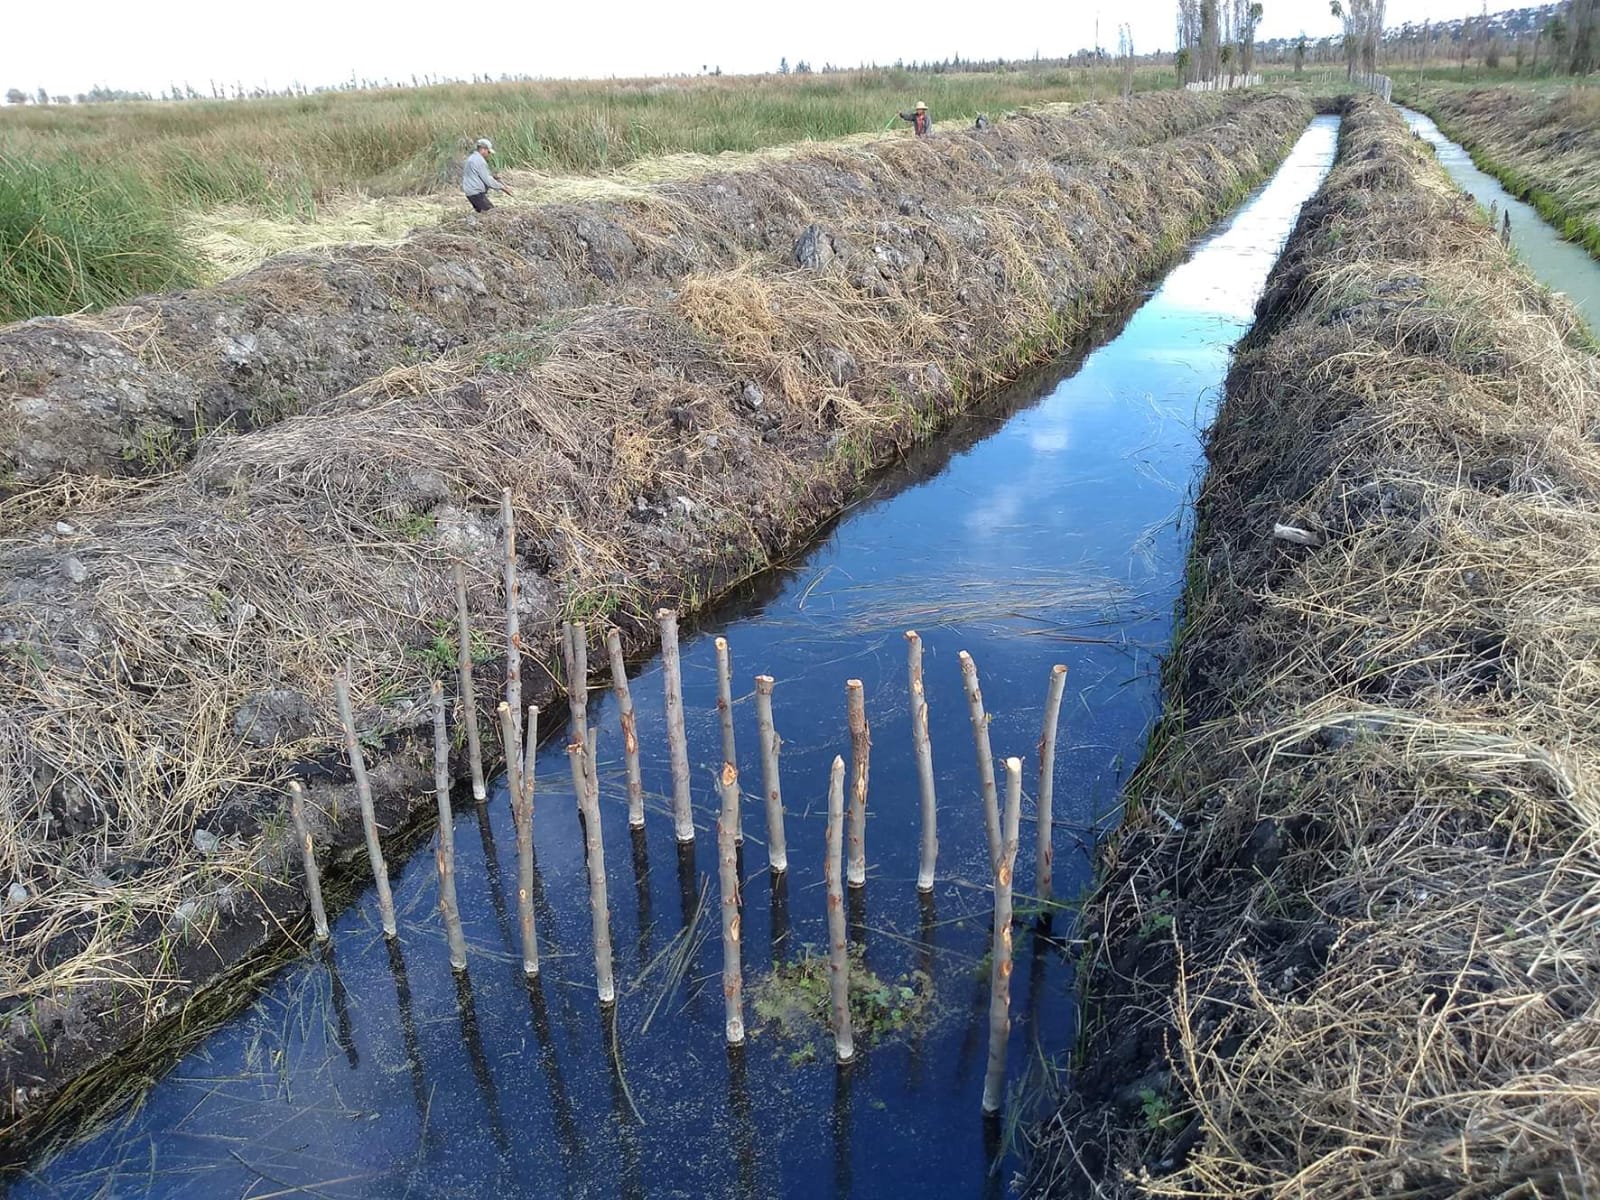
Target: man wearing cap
x,y
477,179
919,119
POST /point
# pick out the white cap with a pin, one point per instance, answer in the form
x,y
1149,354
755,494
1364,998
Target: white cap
x,y
485,144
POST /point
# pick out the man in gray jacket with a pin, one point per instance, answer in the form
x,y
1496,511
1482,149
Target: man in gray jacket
x,y
477,179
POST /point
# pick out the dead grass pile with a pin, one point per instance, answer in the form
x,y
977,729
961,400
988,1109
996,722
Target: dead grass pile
x,y
131,389
166,651
1346,941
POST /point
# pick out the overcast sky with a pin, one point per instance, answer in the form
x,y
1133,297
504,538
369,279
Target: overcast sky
x,y
150,46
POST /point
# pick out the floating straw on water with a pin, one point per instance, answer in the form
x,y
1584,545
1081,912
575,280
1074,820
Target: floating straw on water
x,y
728,881
994,1083
369,819
677,741
308,858
469,699
980,740
595,855
771,744
630,728
445,855
838,952
860,755
923,747
1045,855
725,714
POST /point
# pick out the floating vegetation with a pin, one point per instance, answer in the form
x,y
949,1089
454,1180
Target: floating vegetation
x,y
794,1001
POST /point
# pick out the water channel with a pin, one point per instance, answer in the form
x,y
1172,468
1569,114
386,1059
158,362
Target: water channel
x,y
1052,526
1561,265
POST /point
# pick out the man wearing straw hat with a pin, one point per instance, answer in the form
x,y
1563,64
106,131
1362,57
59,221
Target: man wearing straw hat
x,y
477,179
919,119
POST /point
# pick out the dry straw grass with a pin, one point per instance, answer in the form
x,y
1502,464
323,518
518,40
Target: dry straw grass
x,y
1348,941
642,469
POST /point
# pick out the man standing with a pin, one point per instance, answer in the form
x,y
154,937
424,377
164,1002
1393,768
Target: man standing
x,y
919,119
477,179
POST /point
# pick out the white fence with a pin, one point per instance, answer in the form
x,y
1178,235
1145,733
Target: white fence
x,y
1223,83
1381,84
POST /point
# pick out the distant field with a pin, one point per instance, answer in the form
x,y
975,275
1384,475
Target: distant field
x,y
102,202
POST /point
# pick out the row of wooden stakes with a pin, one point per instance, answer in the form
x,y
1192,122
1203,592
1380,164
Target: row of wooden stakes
x,y
519,741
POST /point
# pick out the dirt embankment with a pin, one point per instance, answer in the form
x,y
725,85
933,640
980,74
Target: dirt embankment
x,y
1545,148
167,653
1345,944
129,390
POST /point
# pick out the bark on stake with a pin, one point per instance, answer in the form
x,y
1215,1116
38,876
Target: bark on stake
x,y
1045,856
577,640
838,950
469,695
513,636
369,819
725,713
923,747
630,728
728,878
980,740
595,852
771,744
677,741
994,1083
445,855
860,754
522,819
308,858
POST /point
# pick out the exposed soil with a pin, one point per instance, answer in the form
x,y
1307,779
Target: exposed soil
x,y
168,647
1344,943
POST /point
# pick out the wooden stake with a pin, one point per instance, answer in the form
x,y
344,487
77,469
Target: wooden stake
x,y
308,859
469,696
728,877
677,740
923,747
994,1083
369,819
860,754
577,641
521,790
595,854
980,740
513,636
838,949
1045,855
725,713
771,744
630,728
445,855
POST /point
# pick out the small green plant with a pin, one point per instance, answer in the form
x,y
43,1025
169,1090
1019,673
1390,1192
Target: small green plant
x,y
1158,1115
1159,918
797,1000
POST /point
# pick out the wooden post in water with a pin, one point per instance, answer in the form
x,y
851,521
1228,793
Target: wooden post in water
x,y
369,818
838,946
469,696
308,859
677,740
577,642
728,880
980,740
771,743
630,728
513,634
725,714
445,855
994,1083
923,746
860,754
521,791
595,854
1045,855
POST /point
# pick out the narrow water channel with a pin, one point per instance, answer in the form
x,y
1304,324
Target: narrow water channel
x,y
1560,265
1051,527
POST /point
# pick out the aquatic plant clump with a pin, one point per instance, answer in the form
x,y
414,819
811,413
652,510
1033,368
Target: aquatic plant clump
x,y
1344,945
794,1000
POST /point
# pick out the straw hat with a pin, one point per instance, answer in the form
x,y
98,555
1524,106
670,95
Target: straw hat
x,y
921,107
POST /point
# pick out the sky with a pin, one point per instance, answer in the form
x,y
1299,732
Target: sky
x,y
150,46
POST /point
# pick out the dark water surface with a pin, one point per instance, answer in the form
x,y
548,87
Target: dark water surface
x,y
1051,529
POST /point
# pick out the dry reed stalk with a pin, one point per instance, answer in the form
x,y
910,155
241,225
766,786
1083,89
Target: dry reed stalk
x,y
595,856
980,741
994,1082
677,740
469,697
369,818
725,716
771,745
838,946
1045,855
445,855
728,881
923,747
860,755
308,859
630,728
513,636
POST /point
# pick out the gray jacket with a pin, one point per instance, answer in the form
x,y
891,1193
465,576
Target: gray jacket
x,y
476,177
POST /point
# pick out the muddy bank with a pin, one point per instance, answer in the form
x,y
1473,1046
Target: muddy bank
x,y
1343,945
129,390
168,652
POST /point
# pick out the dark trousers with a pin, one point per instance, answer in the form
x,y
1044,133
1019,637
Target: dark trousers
x,y
480,202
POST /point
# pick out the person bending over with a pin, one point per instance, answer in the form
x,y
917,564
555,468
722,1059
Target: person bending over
x,y
477,179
